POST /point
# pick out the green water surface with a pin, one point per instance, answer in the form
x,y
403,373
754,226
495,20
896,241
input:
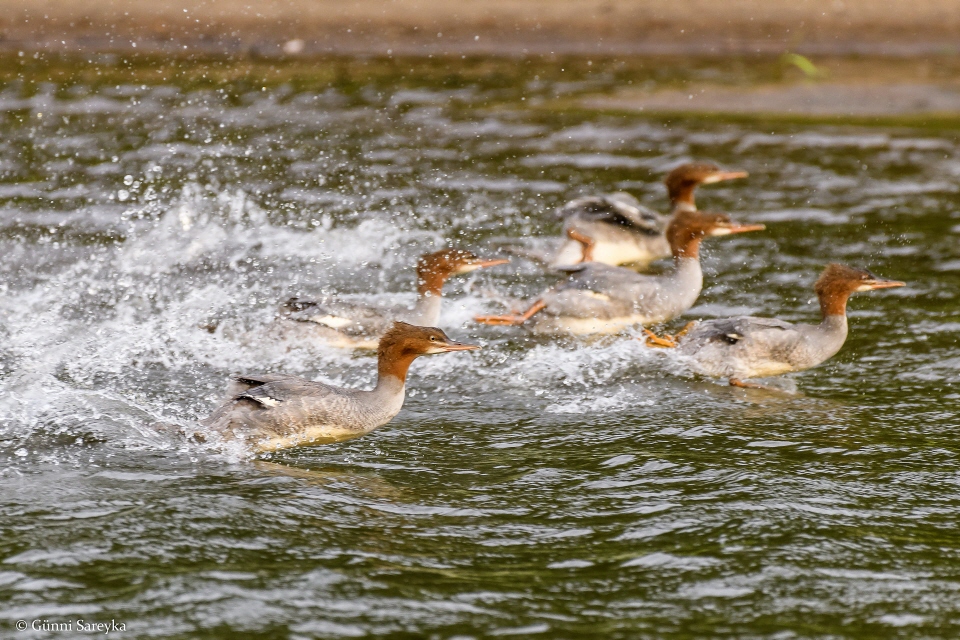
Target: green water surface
x,y
154,212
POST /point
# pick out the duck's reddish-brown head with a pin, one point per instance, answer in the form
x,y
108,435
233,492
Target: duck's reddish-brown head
x,y
403,343
838,281
689,228
433,269
682,181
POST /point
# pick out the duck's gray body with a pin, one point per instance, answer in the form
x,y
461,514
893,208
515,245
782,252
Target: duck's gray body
x,y
346,324
623,231
601,298
747,347
276,411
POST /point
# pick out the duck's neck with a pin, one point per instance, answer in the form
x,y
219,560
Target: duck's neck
x,y
830,335
681,198
426,313
394,362
687,265
379,405
389,388
833,302
686,247
687,278
392,370
833,327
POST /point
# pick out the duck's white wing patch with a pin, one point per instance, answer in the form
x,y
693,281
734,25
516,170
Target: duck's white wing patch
x,y
596,296
263,401
260,398
334,322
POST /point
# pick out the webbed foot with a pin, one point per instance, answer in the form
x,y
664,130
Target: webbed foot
x,y
737,382
687,327
666,341
506,320
587,243
512,319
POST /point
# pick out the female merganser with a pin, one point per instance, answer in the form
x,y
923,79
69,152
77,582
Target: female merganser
x,y
276,411
601,298
616,229
746,347
359,326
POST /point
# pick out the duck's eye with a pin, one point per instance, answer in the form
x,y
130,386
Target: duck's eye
x,y
433,338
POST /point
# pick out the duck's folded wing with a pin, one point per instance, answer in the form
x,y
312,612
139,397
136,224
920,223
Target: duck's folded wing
x,y
244,382
601,291
278,406
257,379
760,331
624,198
619,208
606,279
585,304
747,347
287,389
347,317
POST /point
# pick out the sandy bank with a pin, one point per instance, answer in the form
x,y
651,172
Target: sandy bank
x,y
487,26
816,100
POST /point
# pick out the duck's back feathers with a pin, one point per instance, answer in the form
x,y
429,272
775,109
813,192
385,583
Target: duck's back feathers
x,y
355,320
621,229
601,277
617,209
607,293
737,329
242,383
279,390
748,347
278,411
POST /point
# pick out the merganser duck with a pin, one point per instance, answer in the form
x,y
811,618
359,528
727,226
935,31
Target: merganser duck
x,y
616,229
600,298
277,411
747,347
359,326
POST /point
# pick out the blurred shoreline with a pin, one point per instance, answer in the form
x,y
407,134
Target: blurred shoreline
x,y
488,27
915,91
739,58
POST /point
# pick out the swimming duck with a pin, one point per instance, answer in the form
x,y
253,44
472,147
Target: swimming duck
x,y
359,326
616,229
747,347
277,411
600,298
